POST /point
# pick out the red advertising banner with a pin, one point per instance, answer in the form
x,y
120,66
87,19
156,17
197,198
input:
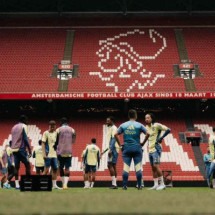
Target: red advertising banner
x,y
106,95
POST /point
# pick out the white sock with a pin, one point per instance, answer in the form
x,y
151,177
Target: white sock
x,y
113,180
92,184
54,183
17,183
87,184
155,181
63,179
66,179
161,180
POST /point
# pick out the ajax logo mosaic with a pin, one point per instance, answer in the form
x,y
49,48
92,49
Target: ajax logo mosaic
x,y
122,59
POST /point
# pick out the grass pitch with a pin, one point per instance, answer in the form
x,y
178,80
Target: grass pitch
x,y
106,201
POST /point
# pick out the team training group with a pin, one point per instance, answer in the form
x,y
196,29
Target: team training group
x,y
54,152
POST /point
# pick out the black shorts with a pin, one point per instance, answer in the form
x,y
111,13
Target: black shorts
x,y
20,156
65,162
90,168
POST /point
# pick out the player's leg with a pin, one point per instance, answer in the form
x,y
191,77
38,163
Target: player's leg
x,y
1,181
61,168
54,179
4,180
111,169
47,166
41,170
159,171
114,162
87,174
68,164
142,183
153,160
10,174
16,169
25,160
54,166
37,170
93,176
160,177
137,157
11,171
113,174
90,176
207,174
87,185
211,173
126,167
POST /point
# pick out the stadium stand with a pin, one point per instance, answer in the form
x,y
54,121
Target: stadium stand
x,y
27,56
200,43
111,60
120,59
204,126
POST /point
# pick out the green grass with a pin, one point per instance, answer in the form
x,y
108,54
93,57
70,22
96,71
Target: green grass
x,y
105,201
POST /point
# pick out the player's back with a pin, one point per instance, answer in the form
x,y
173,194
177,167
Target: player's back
x,y
65,134
17,135
49,138
92,154
131,132
65,141
39,160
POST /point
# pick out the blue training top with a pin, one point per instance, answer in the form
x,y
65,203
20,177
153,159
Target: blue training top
x,y
131,131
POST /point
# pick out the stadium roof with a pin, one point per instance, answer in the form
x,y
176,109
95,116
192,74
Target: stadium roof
x,y
108,6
